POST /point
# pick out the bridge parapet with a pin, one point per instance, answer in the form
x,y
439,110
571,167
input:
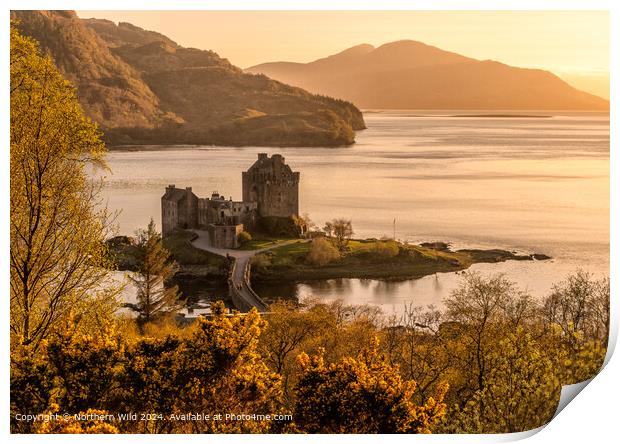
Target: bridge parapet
x,y
241,293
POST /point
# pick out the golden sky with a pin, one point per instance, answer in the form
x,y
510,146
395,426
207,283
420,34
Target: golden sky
x,y
572,44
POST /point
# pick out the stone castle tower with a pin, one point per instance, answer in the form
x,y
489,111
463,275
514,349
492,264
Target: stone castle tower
x,y
179,209
273,186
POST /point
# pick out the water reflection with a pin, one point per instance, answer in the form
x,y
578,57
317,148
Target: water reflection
x,y
535,277
533,185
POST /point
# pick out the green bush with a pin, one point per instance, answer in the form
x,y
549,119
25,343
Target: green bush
x,y
244,237
322,252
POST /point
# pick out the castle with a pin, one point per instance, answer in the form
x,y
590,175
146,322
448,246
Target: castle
x,y
270,189
273,186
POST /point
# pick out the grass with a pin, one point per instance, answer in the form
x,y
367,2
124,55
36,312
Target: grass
x,y
293,249
180,247
259,244
297,250
362,260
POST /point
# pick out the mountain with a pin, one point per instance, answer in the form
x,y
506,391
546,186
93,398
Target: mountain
x,y
412,75
110,91
142,87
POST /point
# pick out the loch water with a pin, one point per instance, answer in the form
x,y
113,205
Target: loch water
x,y
527,184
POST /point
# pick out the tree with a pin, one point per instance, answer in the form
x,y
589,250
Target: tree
x,y
156,268
521,393
322,252
414,342
151,381
287,330
84,367
478,307
360,395
576,315
303,223
341,230
215,369
244,237
71,372
32,385
58,260
600,310
228,374
579,306
291,330
341,330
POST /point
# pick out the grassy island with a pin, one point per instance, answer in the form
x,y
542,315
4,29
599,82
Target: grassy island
x,y
372,258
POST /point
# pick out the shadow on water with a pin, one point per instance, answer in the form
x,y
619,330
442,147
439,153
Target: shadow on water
x,y
329,288
270,292
199,292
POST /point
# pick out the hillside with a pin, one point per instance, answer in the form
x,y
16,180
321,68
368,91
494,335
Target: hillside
x,y
411,75
141,87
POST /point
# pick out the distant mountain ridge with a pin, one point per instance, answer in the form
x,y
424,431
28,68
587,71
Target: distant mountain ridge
x,y
412,75
142,87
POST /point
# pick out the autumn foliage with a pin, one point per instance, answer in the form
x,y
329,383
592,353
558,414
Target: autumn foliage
x,y
322,252
360,395
492,361
332,368
57,228
213,368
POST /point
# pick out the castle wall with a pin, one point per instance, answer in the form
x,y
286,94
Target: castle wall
x,y
270,189
243,212
179,209
227,212
169,216
188,216
273,186
225,236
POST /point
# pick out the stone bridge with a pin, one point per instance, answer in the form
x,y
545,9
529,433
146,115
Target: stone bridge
x,y
243,296
241,292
